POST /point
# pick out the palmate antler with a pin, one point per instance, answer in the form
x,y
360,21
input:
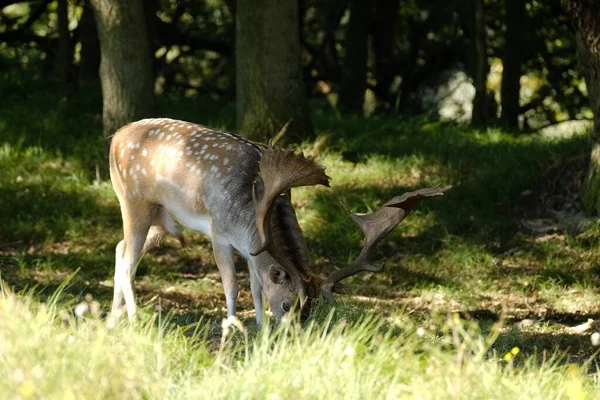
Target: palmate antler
x,y
375,227
281,170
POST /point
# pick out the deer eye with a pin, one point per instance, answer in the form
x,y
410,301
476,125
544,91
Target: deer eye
x,y
285,306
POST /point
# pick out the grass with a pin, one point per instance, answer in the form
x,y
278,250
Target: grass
x,y
467,255
368,358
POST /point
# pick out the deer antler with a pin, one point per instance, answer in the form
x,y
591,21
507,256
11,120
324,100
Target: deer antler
x,y
375,226
281,170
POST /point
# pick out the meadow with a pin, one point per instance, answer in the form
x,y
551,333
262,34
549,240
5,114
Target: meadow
x,y
480,297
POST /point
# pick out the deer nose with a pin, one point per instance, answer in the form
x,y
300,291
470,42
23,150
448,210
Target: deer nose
x,y
285,306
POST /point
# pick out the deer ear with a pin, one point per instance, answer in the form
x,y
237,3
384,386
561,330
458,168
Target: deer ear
x,y
278,275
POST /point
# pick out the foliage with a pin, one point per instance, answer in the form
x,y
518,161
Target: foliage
x,y
193,46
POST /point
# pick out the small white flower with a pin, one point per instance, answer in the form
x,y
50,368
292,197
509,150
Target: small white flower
x,y
81,309
349,351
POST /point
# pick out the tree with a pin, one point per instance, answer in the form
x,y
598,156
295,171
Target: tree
x,y
384,35
354,69
89,62
585,15
511,62
269,84
480,65
64,57
125,66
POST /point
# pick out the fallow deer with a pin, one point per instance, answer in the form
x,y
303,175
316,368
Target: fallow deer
x,y
167,172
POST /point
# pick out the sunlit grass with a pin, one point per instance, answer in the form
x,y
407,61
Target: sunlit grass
x,y
47,353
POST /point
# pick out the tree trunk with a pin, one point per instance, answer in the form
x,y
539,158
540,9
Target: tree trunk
x,y
331,12
354,69
585,15
269,84
125,67
89,62
150,9
384,46
511,62
480,64
64,55
589,60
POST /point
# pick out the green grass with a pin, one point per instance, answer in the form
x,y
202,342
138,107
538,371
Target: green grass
x,y
367,358
466,253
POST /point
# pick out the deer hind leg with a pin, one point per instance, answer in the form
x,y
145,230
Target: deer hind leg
x,y
117,301
162,224
136,226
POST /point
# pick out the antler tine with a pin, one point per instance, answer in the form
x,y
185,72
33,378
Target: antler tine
x,y
281,170
375,227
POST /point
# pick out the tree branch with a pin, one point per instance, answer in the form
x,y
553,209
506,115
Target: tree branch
x,y
169,35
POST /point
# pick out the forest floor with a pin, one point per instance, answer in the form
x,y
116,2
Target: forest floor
x,y
508,249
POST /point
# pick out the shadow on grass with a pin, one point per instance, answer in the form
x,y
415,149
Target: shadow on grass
x,y
562,348
92,272
34,213
489,170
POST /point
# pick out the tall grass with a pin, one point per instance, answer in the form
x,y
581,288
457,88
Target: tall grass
x,y
46,353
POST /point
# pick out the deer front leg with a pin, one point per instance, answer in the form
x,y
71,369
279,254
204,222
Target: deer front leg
x,y
256,288
224,257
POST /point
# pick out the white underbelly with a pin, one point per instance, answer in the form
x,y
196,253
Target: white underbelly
x,y
197,222
175,199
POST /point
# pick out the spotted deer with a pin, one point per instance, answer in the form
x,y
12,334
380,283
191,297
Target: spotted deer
x,y
168,173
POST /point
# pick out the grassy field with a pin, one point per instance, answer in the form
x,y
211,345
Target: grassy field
x,y
505,261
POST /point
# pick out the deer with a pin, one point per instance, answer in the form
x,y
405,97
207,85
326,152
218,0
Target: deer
x,y
169,173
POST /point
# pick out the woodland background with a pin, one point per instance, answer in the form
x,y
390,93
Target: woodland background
x,y
489,292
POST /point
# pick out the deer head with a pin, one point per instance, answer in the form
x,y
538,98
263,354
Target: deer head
x,y
279,235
